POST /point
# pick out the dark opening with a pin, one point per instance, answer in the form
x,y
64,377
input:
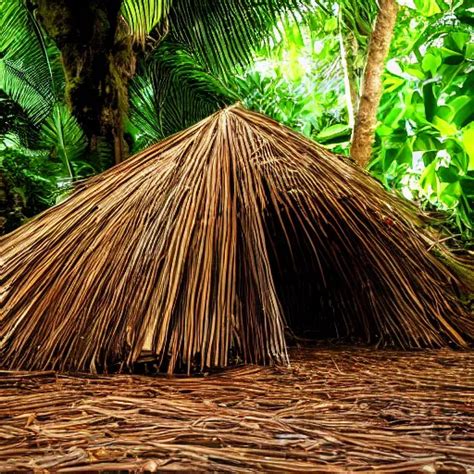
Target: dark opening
x,y
317,297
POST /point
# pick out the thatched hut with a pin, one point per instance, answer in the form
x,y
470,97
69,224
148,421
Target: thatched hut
x,y
215,244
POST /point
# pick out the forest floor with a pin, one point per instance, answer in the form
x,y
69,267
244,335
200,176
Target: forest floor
x,y
333,409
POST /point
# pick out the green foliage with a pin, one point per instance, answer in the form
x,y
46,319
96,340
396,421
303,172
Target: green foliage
x,y
426,132
62,136
220,35
178,85
41,144
281,82
193,71
14,119
43,171
25,70
29,175
170,93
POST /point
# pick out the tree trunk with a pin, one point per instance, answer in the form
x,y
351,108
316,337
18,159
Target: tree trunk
x,y
379,45
98,60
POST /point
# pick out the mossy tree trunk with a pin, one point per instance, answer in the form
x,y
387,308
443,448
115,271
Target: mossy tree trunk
x,y
98,61
371,88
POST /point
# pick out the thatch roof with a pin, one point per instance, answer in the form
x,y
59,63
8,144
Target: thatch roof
x,y
202,249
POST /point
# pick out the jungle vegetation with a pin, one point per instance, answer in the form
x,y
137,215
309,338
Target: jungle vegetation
x,y
85,84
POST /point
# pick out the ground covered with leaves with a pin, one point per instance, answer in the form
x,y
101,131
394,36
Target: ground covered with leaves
x,y
332,409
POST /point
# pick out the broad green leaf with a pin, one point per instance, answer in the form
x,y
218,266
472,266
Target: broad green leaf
x,y
384,130
427,7
445,128
429,157
449,193
456,41
468,142
446,112
429,179
405,154
469,51
388,158
457,152
431,63
463,107
334,131
392,83
394,116
425,142
414,71
448,175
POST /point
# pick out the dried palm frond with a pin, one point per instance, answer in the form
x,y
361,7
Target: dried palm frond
x,y
204,248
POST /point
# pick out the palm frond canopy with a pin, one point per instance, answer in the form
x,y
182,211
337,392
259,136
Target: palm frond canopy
x,y
27,72
208,247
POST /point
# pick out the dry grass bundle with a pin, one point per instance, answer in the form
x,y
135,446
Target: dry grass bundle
x,y
202,249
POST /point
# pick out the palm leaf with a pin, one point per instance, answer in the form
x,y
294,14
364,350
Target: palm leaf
x,y
221,35
144,112
62,135
25,70
14,120
143,15
173,91
21,84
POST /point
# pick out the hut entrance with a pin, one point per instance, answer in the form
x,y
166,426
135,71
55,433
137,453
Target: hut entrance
x,y
314,294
